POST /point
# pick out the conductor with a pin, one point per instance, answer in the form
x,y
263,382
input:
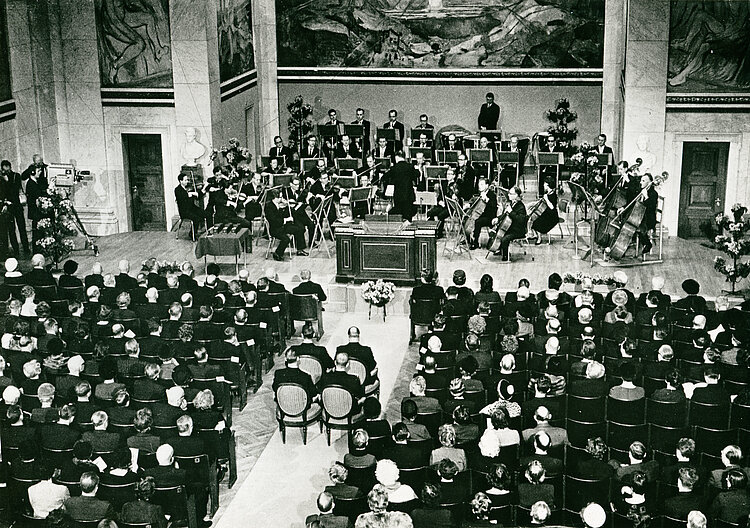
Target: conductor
x,y
489,113
402,177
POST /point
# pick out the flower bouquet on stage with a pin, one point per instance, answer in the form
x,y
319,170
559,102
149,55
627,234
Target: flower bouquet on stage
x,y
57,227
378,293
732,241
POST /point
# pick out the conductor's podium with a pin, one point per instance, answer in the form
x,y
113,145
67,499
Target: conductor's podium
x,y
381,247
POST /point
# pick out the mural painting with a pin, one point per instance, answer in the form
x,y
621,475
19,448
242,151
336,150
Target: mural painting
x,y
709,46
134,43
236,51
5,92
441,33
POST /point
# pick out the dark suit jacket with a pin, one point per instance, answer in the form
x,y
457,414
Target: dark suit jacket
x,y
692,303
166,476
397,125
318,352
680,505
94,280
428,291
39,277
488,116
187,446
35,189
294,375
147,389
310,288
349,381
589,387
387,153
402,176
88,509
406,456
58,436
102,440
140,511
359,352
125,282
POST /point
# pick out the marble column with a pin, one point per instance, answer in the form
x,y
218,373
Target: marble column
x,y
32,82
195,63
646,82
264,32
613,64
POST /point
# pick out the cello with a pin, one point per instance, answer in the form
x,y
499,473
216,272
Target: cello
x,y
605,230
504,223
632,223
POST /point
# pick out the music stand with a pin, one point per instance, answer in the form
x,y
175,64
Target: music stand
x,y
604,160
480,156
385,163
281,180
491,135
429,132
435,173
331,131
348,164
512,158
448,157
548,159
361,194
346,181
307,164
354,131
426,152
389,134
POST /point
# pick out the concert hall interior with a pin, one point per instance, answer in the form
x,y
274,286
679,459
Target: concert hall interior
x,y
425,263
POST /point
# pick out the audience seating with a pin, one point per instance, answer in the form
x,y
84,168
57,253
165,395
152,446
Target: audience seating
x,y
306,308
338,410
295,409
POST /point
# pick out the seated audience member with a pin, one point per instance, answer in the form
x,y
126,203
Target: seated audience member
x,y
144,440
377,501
87,507
46,413
340,376
673,392
425,404
595,467
404,455
685,454
466,430
499,428
539,513
541,443
696,519
454,487
731,457
688,496
46,496
358,457
325,515
291,373
542,417
387,473
448,449
499,479
309,348
534,489
142,510
732,505
593,515
632,500
709,390
429,513
480,507
375,426
593,384
636,462
100,439
457,392
339,488
627,390
417,432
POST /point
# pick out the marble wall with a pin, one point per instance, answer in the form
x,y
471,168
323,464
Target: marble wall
x,y
240,119
522,106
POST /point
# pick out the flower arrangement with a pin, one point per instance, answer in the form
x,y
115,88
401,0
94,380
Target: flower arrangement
x,y
56,227
378,292
299,122
732,241
152,265
234,159
587,173
560,120
595,279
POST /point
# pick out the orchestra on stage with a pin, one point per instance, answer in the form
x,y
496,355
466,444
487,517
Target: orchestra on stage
x,y
465,181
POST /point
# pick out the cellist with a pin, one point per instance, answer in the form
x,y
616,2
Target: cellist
x,y
547,219
650,199
516,210
490,210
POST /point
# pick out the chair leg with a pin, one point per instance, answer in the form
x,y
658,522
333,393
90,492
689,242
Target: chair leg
x,y
412,334
328,435
177,229
304,435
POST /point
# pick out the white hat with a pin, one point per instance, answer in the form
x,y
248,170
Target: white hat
x,y
593,515
620,277
11,264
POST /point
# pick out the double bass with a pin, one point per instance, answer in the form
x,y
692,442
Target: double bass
x,y
632,222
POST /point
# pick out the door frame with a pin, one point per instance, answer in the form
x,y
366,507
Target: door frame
x,y
121,185
673,144
128,183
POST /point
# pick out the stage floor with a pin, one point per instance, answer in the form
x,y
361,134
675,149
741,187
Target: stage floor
x,y
681,259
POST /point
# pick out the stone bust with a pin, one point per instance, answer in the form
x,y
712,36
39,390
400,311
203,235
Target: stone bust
x,y
192,151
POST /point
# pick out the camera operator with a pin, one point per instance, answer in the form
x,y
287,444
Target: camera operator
x,y
17,220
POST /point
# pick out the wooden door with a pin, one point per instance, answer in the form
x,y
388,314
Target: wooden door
x,y
702,187
143,163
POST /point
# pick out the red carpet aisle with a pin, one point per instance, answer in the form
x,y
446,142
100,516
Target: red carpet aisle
x,y
283,485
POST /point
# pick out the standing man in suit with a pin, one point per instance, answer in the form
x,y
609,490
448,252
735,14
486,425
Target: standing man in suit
x,y
36,187
394,124
402,176
13,180
601,145
364,143
424,123
308,287
279,150
489,113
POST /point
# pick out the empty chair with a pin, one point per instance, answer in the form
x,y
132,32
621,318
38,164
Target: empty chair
x,y
421,313
339,410
669,414
579,432
626,412
579,492
620,436
586,408
713,415
712,441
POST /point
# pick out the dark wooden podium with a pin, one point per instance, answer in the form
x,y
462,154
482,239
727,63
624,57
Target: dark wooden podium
x,y
380,247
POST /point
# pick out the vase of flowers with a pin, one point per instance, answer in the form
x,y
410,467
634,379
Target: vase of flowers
x,y
299,123
378,293
600,282
57,227
234,160
732,240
